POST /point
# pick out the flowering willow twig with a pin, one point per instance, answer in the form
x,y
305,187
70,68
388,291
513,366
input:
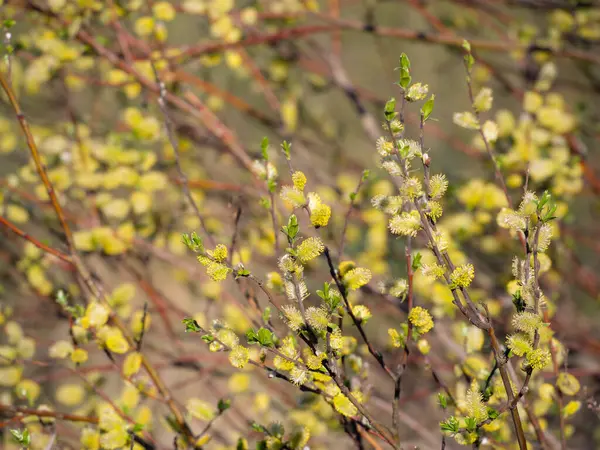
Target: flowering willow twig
x,y
333,272
329,364
469,310
197,328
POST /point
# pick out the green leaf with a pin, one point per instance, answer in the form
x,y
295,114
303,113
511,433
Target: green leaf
x,y
265,337
21,436
242,444
277,429
404,151
451,425
546,207
266,315
258,427
427,108
8,23
365,175
405,80
493,413
471,423
264,147
324,294
404,62
193,242
252,336
518,301
405,77
61,298
333,300
77,311
286,147
469,60
191,325
416,261
390,109
208,338
272,185
291,230
545,198
224,405
174,424
489,391
265,202
242,272
137,428
442,400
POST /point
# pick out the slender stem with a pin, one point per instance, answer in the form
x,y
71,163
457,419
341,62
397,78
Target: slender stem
x,y
185,187
274,220
514,412
347,216
377,355
236,229
34,241
406,352
470,311
19,411
489,149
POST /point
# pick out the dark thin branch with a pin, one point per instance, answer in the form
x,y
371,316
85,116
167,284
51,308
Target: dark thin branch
x,y
169,127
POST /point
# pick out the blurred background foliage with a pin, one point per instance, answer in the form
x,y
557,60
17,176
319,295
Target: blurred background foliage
x,y
317,74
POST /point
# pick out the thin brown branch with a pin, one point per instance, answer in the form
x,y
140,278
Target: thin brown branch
x,y
34,241
20,412
185,187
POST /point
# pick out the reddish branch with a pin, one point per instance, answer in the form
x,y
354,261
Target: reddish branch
x,y
12,227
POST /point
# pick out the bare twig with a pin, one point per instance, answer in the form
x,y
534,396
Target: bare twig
x,y
351,207
15,229
162,103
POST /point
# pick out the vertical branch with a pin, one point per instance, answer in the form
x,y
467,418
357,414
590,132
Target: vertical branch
x,y
236,229
377,355
351,207
506,381
470,311
488,147
274,220
185,187
406,352
39,165
559,400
